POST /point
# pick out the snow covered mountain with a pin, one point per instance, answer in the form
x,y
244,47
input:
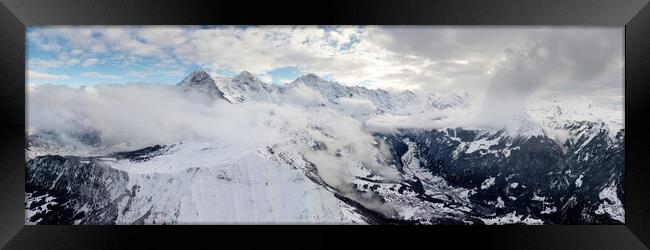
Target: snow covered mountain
x,y
202,82
178,184
383,101
320,157
247,87
243,87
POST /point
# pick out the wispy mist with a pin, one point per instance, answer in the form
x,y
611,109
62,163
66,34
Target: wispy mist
x,y
133,116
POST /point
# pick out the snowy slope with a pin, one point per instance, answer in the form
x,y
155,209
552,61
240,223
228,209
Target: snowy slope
x,y
559,116
244,87
207,183
211,183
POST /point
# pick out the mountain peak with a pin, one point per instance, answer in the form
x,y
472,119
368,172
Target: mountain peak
x,y
200,80
196,76
310,77
246,76
407,92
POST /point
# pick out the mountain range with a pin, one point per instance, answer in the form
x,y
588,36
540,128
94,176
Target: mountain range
x,y
342,154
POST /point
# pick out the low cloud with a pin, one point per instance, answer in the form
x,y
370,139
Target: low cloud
x,y
357,106
304,96
466,116
133,116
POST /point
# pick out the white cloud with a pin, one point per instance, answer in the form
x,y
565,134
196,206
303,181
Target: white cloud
x,y
357,106
95,74
89,62
178,73
61,62
42,42
98,48
304,96
31,74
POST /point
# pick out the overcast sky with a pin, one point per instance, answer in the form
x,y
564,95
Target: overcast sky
x,y
539,62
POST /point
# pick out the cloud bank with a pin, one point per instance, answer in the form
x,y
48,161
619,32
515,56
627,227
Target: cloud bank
x,y
556,64
133,116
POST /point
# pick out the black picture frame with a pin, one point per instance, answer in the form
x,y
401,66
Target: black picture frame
x,y
15,15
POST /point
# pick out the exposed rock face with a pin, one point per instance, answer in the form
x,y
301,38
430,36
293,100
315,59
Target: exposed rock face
x,y
85,191
536,175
